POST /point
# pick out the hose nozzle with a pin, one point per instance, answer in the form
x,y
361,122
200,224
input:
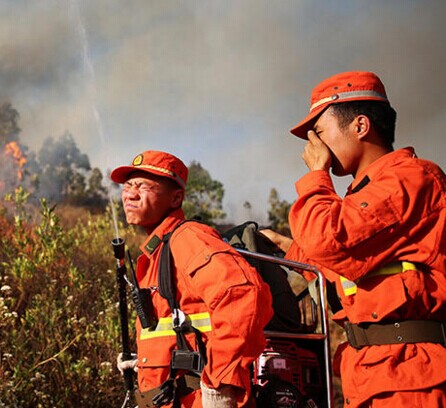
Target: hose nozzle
x,y
119,248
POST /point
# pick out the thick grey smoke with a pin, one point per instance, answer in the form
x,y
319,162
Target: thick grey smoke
x,y
218,82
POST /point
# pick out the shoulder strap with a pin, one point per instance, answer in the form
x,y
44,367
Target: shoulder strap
x,y
182,358
165,280
167,290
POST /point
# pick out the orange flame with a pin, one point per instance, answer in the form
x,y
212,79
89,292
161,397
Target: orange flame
x,y
12,149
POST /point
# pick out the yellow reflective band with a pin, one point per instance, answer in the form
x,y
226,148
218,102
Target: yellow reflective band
x,y
165,171
393,269
408,266
164,328
348,286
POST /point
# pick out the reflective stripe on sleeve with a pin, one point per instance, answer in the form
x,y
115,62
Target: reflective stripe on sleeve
x,y
348,286
394,268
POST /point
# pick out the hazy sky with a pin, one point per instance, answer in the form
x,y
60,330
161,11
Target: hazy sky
x,y
217,81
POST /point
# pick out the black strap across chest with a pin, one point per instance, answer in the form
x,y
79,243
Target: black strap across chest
x,y
181,325
183,358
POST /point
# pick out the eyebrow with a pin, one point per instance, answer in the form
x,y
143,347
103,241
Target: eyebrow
x,y
140,183
131,183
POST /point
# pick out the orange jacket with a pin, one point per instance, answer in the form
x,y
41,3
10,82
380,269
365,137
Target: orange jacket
x,y
395,210
211,277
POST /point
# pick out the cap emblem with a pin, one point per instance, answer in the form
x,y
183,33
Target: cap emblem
x,y
138,160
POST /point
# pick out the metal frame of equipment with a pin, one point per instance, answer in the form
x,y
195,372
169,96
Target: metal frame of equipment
x,y
320,336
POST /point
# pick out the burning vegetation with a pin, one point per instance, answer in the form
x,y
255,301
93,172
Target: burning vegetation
x,y
13,168
58,172
14,153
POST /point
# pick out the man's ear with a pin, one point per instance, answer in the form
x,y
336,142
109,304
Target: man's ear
x,y
177,198
362,126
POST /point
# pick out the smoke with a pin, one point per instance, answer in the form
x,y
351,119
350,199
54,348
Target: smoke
x,y
217,82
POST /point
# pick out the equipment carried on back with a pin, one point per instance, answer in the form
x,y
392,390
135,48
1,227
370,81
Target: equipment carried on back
x,y
286,318
287,315
285,374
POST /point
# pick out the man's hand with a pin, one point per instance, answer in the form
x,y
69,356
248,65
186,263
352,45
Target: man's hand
x,y
282,241
317,155
127,364
223,397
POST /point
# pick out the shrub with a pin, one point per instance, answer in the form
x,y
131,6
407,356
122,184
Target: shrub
x,y
58,309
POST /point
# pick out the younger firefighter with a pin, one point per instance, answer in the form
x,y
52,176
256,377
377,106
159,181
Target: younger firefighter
x,y
383,244
217,290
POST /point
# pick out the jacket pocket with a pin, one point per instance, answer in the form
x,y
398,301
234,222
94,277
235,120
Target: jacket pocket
x,y
213,274
376,299
157,352
362,218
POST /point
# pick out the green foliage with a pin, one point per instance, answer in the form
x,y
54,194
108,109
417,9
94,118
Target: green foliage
x,y
63,169
58,309
204,196
66,175
9,128
278,212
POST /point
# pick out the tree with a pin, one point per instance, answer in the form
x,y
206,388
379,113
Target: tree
x,y
60,172
77,189
278,212
96,192
63,169
9,128
204,196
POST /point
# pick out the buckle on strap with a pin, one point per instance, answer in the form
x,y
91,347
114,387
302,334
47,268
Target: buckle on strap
x,y
178,318
166,394
181,386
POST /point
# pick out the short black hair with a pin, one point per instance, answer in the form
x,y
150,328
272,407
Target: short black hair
x,y
381,115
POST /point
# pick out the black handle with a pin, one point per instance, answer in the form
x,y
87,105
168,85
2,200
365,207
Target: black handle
x,y
119,252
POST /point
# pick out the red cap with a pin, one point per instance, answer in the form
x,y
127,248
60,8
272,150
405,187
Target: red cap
x,y
343,87
158,163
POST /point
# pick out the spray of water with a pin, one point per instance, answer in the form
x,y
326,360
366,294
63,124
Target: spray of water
x,y
82,32
114,217
89,68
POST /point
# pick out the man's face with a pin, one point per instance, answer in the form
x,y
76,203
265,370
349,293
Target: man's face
x,y
147,199
342,143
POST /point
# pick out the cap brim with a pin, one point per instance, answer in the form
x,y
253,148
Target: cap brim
x,y
121,174
302,128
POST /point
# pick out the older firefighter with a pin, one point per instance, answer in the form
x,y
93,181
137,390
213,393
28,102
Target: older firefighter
x,y
383,244
218,292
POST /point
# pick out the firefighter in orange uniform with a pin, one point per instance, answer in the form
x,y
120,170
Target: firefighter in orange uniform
x,y
383,244
218,293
